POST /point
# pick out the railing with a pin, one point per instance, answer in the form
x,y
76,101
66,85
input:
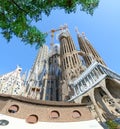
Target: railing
x,y
95,73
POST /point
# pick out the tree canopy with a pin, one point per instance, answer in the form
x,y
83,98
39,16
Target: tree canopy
x,y
16,16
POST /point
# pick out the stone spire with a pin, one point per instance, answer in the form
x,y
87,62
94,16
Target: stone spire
x,y
35,80
90,54
70,63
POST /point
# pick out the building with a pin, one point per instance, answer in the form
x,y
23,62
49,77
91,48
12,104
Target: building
x,y
71,65
36,81
12,83
62,73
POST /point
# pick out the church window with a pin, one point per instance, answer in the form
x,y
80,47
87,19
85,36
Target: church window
x,y
47,97
102,93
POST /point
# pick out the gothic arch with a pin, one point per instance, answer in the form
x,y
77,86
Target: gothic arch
x,y
113,87
99,92
86,99
99,95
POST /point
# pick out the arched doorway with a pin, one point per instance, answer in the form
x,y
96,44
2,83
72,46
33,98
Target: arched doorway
x,y
113,87
104,107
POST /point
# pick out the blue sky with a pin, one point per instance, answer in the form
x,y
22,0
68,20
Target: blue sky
x,y
102,29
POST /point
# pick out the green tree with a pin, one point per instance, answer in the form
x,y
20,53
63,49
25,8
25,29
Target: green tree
x,y
112,125
16,16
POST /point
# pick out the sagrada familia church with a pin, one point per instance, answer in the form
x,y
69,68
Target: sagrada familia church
x,y
65,78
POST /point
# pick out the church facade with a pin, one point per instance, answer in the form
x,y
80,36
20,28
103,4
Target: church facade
x,y
63,73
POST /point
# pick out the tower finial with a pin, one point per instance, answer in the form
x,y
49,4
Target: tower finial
x,y
66,26
77,31
52,37
83,34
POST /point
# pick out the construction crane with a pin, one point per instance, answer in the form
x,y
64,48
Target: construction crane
x,y
55,30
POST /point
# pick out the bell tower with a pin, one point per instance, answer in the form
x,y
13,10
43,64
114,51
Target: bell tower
x,y
89,53
71,65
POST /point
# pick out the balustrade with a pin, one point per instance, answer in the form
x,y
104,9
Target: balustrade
x,y
95,73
